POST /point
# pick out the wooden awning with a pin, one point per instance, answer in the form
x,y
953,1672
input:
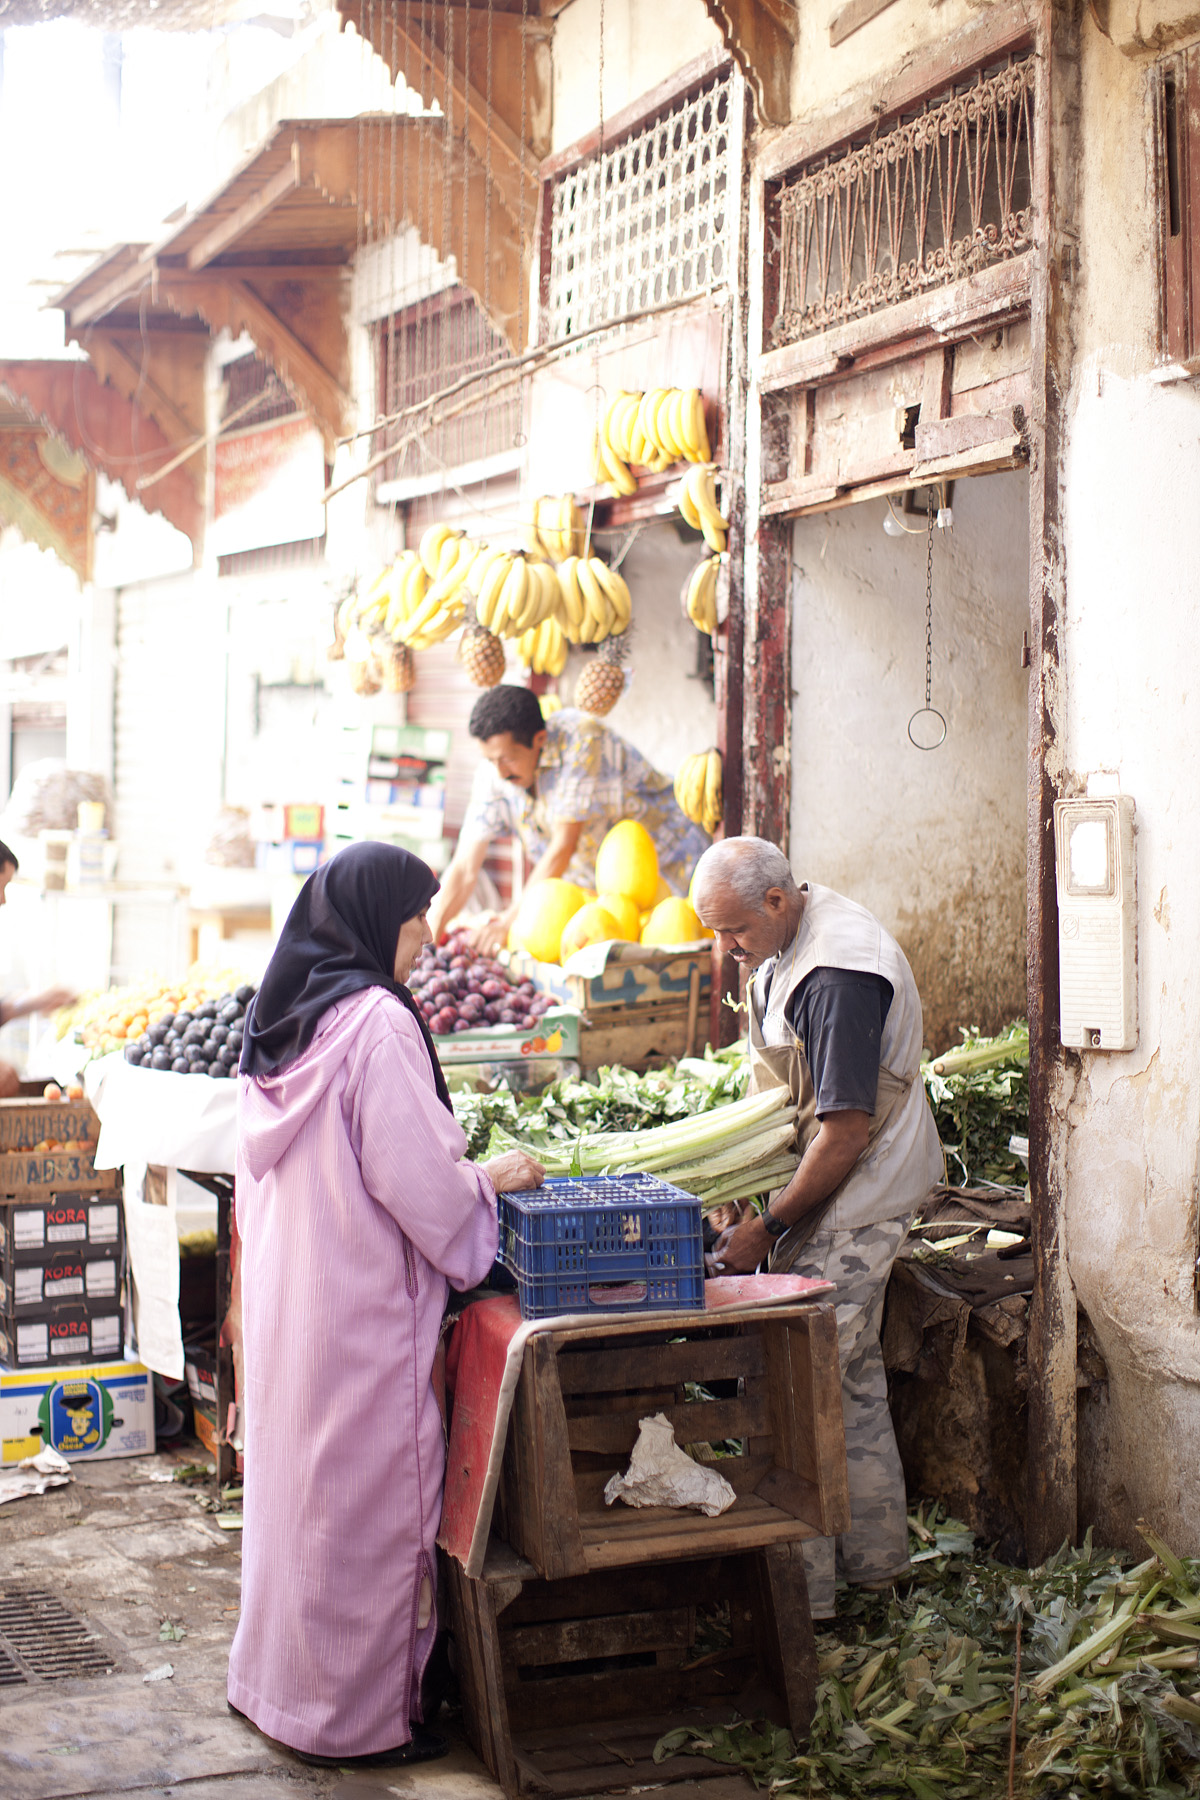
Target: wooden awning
x,y
112,433
270,254
46,490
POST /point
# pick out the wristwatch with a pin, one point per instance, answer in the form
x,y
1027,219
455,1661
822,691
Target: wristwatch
x,y
772,1224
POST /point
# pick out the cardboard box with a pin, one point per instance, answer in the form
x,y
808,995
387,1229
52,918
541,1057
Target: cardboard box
x,y
57,1275
201,1371
31,1124
556,1034
90,1225
93,1413
304,821
72,1332
631,976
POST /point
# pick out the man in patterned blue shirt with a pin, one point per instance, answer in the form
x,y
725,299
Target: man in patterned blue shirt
x,y
559,784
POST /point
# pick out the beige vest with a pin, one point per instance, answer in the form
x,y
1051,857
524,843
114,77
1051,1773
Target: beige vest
x,y
903,1158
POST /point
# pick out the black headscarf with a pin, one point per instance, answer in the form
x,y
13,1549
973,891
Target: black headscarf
x,y
340,936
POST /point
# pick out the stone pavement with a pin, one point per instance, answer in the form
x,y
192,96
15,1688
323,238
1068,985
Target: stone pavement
x,y
130,1554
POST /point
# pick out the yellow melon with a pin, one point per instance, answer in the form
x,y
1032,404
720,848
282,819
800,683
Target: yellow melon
x,y
627,863
673,922
545,911
625,912
592,924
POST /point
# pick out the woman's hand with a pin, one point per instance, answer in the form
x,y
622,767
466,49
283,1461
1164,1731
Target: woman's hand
x,y
514,1172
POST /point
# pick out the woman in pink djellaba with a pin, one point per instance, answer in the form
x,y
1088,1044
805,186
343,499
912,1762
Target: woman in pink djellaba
x,y
356,1212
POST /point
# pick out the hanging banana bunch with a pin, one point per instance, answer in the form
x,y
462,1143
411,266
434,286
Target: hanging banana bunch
x,y
516,594
544,649
433,598
555,528
699,789
700,595
698,504
652,430
596,600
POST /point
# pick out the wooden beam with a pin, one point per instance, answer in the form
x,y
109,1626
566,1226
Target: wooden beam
x,y
853,17
424,66
113,360
94,306
760,36
234,225
235,306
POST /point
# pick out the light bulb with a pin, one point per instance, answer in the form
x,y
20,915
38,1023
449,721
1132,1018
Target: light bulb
x,y
892,525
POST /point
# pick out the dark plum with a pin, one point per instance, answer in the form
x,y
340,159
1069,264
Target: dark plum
x,y
218,1033
166,1021
207,1011
443,1021
229,1012
218,1068
181,1066
133,1054
161,1059
491,989
463,1025
182,1020
157,1035
245,994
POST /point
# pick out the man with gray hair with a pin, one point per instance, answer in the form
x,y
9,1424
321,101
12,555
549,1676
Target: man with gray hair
x,y
835,1017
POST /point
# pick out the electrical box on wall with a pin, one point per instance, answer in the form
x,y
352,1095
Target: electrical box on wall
x,y
1097,923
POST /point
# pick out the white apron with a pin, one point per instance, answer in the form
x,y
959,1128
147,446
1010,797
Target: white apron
x,y
903,1158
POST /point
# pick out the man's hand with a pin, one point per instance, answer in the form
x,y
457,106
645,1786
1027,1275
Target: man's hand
x,y
840,1141
52,999
489,932
10,1082
743,1246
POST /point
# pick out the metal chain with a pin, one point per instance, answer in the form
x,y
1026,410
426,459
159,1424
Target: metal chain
x,y
929,602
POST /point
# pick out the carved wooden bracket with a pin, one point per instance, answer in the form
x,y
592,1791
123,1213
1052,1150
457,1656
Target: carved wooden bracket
x,y
49,506
760,35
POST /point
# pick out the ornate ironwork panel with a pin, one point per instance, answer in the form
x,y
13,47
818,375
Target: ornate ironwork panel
x,y
645,221
942,194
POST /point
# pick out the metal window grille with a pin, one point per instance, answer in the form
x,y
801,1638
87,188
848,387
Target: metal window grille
x,y
946,192
426,348
647,221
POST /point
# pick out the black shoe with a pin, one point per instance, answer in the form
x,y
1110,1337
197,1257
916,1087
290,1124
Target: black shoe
x,y
423,1746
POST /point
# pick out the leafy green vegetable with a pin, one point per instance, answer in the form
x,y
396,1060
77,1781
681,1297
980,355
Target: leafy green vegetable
x,y
916,1690
979,1109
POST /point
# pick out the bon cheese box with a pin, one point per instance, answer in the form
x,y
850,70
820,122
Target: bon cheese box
x,y
94,1413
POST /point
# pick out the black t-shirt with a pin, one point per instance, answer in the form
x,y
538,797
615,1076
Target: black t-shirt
x,y
838,1016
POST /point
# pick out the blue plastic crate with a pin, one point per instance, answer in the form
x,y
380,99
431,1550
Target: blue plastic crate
x,y
628,1243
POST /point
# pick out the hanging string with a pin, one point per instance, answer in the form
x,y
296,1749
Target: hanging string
x,y
927,727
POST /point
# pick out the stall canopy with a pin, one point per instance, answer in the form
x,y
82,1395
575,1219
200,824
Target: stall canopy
x,y
270,254
47,490
85,424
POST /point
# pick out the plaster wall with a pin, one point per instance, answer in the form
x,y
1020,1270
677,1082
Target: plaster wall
x,y
642,46
825,74
932,842
1129,1125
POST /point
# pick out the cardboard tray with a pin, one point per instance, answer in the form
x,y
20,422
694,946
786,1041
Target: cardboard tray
x,y
556,1034
87,1225
74,1332
38,1147
26,1289
90,1413
633,975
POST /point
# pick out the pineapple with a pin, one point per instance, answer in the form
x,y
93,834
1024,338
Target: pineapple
x,y
399,669
482,656
603,681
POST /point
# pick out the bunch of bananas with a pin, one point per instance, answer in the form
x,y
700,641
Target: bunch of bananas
x,y
700,595
699,789
430,599
596,602
515,594
555,528
653,430
698,504
544,649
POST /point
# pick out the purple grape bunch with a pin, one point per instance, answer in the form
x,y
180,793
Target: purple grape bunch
x,y
458,990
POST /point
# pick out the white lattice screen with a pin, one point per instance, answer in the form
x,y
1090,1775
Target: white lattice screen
x,y
647,221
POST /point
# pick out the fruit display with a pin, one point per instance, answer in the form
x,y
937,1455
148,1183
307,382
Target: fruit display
x,y
458,990
543,915
555,528
699,598
627,863
482,656
544,649
592,924
206,1040
672,922
699,789
602,683
596,600
111,1020
651,430
516,594
698,504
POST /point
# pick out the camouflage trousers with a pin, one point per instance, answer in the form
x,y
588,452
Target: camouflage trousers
x,y
876,1545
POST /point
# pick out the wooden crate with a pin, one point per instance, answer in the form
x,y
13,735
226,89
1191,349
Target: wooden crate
x,y
768,1378
27,1168
568,1685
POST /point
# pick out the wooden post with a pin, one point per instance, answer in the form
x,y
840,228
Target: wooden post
x,y
1052,1500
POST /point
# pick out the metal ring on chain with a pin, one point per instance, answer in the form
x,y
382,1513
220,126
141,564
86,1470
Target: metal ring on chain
x,y
937,733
